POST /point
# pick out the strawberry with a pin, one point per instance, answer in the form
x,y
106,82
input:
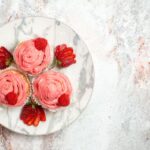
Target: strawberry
x,y
28,119
28,111
24,112
31,121
40,43
42,114
64,100
5,58
67,63
37,118
32,114
64,55
59,49
11,98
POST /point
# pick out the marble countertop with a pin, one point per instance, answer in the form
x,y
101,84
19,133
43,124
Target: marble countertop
x,y
117,33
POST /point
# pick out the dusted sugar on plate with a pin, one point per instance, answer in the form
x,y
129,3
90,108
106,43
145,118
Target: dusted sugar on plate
x,y
32,56
14,88
52,89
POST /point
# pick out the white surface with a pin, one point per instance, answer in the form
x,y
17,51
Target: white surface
x,y
117,34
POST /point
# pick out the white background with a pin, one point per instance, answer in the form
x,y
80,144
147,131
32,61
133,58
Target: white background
x,y
117,33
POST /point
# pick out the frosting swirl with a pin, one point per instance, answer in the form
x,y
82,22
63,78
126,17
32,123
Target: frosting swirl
x,y
49,86
30,59
13,81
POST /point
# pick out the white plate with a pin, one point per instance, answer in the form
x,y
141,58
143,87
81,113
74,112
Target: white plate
x,y
80,74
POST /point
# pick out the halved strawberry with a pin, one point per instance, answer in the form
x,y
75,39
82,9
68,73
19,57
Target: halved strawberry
x,y
67,63
31,121
64,55
68,52
32,114
5,58
42,114
59,49
28,113
37,119
27,119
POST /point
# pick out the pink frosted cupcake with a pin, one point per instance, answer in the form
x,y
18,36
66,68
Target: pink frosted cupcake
x,y
52,89
32,56
14,88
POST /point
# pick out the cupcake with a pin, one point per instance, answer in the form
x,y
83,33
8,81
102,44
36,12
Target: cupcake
x,y
14,88
32,56
52,90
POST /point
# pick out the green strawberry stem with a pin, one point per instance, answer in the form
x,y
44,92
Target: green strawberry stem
x,y
9,61
32,102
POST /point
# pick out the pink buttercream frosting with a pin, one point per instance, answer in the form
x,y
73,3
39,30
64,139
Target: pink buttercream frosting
x,y
49,86
31,60
13,81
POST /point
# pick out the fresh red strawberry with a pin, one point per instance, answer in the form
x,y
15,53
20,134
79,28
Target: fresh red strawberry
x,y
11,98
5,58
2,63
37,118
67,63
40,43
64,55
28,119
64,100
31,121
59,48
27,111
42,114
32,114
67,52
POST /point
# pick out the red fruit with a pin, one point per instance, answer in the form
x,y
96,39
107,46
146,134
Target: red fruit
x,y
59,49
11,98
37,119
2,63
32,114
5,58
42,114
31,121
25,111
28,114
40,43
28,119
64,100
67,62
64,55
67,52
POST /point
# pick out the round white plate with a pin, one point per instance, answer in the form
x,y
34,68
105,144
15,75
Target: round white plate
x,y
80,74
